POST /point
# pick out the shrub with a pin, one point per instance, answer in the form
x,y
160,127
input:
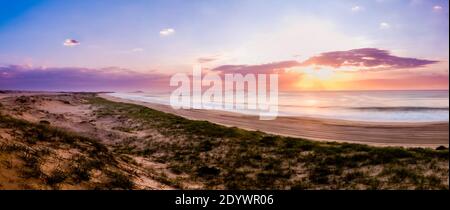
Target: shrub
x,y
119,181
57,176
206,171
31,167
441,148
44,122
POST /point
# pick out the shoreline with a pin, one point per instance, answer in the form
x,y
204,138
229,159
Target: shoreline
x,y
403,134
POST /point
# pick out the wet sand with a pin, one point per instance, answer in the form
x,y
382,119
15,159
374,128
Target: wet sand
x,y
431,134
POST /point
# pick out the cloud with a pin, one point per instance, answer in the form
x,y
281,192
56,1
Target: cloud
x,y
364,58
356,8
137,50
437,8
384,25
134,50
78,79
167,32
71,43
261,69
208,59
358,59
365,64
287,80
119,79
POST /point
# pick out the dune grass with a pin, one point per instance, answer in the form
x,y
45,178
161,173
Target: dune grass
x,y
232,158
33,143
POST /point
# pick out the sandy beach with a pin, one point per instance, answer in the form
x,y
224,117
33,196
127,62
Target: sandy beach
x,y
429,135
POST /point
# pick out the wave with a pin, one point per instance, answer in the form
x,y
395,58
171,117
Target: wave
x,y
395,109
375,108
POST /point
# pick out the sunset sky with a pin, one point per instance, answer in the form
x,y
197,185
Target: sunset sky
x,y
122,45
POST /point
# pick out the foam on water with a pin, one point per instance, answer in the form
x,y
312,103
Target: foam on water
x,y
378,106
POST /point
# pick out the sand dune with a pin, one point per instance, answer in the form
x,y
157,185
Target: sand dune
x,y
377,134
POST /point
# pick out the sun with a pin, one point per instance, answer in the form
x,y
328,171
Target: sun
x,y
323,74
317,78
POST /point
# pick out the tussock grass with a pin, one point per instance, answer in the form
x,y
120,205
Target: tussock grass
x,y
233,158
33,143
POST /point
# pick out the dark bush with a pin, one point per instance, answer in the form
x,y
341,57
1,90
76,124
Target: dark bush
x,y
44,122
208,171
119,181
56,177
441,148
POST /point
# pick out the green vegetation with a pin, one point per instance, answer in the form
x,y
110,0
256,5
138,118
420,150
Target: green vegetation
x,y
57,176
35,144
119,181
232,158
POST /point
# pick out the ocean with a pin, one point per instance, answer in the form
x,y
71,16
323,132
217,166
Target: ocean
x,y
370,106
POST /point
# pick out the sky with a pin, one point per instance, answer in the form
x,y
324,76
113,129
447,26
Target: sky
x,y
114,45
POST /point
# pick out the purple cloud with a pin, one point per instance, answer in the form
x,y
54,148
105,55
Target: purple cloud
x,y
366,57
206,60
71,43
263,68
372,58
78,79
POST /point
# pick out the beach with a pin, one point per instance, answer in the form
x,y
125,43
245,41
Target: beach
x,y
416,134
51,140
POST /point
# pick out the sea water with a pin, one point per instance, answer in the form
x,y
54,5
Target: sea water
x,y
371,106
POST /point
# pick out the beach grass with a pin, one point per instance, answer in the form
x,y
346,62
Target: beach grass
x,y
231,158
34,144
